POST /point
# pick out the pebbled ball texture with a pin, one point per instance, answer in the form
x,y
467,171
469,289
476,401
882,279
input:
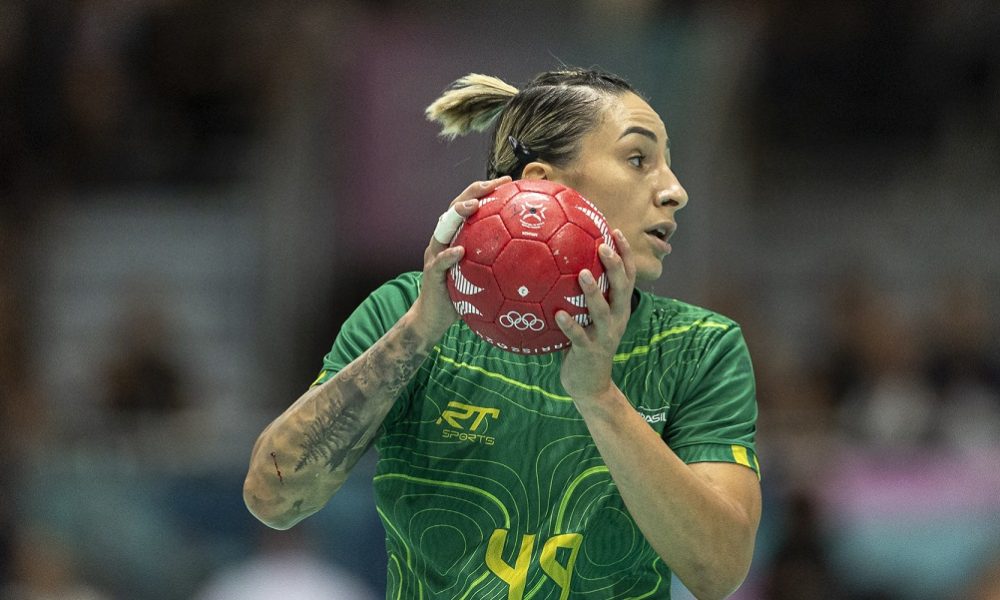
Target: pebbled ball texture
x,y
524,249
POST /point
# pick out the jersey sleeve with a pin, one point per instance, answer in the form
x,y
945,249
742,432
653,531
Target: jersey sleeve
x,y
367,324
715,418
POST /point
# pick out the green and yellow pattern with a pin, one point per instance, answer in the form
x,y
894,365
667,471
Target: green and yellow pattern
x,y
488,482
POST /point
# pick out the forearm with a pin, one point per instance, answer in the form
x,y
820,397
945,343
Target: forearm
x,y
704,536
303,457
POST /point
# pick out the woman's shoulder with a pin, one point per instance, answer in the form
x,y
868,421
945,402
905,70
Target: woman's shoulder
x,y
404,287
666,311
387,303
669,331
408,280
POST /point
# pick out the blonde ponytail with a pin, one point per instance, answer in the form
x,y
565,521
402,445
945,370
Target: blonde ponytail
x,y
546,120
470,104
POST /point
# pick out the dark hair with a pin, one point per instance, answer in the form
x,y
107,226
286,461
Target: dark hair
x,y
544,120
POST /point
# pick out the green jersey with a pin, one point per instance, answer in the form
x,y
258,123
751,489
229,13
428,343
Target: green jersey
x,y
488,482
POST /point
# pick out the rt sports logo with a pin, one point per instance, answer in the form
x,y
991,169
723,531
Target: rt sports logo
x,y
464,420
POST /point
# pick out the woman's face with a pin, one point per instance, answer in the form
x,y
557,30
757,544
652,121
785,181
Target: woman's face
x,y
623,167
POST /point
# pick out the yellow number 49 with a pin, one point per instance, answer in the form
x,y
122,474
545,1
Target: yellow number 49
x,y
516,576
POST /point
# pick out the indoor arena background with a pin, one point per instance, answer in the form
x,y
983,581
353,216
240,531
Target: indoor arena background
x,y
194,195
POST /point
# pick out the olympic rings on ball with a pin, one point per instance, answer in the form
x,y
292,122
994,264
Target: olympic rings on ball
x,y
516,320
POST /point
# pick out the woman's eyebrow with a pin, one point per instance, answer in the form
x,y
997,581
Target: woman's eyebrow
x,y
646,133
641,131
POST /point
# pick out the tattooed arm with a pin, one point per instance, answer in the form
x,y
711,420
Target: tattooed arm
x,y
303,457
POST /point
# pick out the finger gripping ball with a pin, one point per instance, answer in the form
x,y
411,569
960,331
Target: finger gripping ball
x,y
524,249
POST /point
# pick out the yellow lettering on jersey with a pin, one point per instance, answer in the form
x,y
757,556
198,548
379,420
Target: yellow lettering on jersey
x,y
516,577
464,412
561,574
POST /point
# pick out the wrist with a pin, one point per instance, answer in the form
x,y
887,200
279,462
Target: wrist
x,y
601,403
422,330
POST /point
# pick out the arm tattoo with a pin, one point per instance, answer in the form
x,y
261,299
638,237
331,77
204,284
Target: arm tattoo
x,y
346,424
337,430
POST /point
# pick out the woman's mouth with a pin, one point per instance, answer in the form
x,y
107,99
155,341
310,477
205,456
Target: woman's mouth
x,y
659,236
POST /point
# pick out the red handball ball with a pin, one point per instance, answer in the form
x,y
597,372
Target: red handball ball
x,y
524,249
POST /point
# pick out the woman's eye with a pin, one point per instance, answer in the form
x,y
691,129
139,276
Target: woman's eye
x,y
637,160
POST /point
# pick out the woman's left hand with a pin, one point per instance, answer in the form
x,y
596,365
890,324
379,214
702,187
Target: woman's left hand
x,y
586,367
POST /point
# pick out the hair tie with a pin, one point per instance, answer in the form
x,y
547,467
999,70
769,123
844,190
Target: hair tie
x,y
522,154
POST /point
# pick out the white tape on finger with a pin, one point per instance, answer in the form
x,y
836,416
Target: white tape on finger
x,y
448,225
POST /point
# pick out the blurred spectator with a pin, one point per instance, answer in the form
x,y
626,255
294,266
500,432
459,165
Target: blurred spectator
x,y
200,73
851,315
23,423
285,567
964,366
144,385
12,126
144,380
21,411
892,407
800,569
875,370
44,568
99,94
985,586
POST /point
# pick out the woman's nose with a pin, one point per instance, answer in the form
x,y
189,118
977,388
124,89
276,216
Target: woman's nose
x,y
672,193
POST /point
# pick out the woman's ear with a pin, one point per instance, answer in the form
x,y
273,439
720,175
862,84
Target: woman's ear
x,y
536,170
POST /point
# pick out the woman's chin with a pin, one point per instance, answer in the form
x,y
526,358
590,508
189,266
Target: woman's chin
x,y
648,273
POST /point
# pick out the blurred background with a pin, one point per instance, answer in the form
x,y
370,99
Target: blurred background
x,y
195,194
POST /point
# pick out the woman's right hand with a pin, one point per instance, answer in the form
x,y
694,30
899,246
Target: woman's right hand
x,y
433,311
